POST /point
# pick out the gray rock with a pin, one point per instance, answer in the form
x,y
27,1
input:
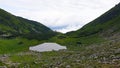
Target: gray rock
x,y
3,67
68,66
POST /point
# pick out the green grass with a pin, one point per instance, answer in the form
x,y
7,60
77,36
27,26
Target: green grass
x,y
1,63
26,59
72,43
46,59
16,45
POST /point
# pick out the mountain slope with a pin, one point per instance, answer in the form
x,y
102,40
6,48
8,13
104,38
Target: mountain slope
x,y
106,23
102,29
11,25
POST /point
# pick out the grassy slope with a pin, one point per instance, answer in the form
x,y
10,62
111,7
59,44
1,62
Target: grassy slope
x,y
17,26
16,45
77,43
108,21
94,32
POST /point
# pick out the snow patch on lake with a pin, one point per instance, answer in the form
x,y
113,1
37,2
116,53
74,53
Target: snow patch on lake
x,y
47,47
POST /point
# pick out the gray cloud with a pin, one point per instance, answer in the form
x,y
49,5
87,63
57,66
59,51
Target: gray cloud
x,y
67,15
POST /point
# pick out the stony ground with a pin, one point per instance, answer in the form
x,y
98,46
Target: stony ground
x,y
105,55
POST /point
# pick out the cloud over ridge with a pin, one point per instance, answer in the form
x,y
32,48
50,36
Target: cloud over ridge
x,y
67,14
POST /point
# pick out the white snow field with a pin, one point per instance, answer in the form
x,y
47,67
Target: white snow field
x,y
47,47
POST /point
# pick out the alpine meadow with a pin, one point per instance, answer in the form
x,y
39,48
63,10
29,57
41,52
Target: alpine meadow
x,y
95,45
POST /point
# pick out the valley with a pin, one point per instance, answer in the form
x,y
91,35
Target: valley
x,y
95,45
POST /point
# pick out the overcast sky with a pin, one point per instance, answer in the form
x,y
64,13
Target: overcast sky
x,y
60,15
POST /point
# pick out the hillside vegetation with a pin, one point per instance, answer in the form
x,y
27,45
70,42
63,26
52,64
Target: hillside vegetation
x,y
100,30
107,23
14,26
